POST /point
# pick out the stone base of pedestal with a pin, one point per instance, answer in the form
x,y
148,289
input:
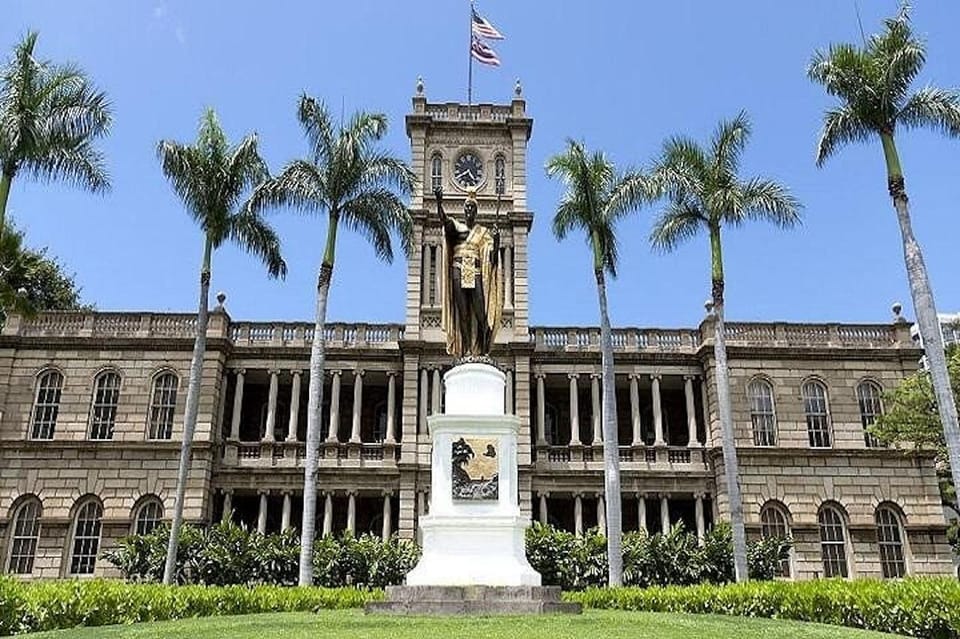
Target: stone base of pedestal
x,y
472,600
466,550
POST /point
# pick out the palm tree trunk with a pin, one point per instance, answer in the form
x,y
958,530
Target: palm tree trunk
x,y
314,407
925,308
722,374
5,181
611,445
190,415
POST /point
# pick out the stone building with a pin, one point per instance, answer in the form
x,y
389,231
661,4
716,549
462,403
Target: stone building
x,y
92,409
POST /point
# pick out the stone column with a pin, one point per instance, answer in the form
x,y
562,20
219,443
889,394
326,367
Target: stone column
x,y
541,411
357,406
508,390
642,513
435,396
227,505
578,515
387,516
508,276
422,408
664,514
262,515
574,411
293,424
285,517
708,432
601,515
390,437
328,515
237,406
421,503
698,511
334,430
270,430
657,412
544,515
351,513
635,410
691,411
596,414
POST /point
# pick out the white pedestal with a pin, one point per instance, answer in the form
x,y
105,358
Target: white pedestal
x,y
470,542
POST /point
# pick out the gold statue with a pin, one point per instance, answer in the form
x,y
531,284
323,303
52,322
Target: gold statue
x,y
471,282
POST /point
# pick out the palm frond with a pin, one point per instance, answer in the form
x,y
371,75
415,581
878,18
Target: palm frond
x,y
841,125
300,185
252,233
769,201
678,222
728,143
377,213
933,108
318,128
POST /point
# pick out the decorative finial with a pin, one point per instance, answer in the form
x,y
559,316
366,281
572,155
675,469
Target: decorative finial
x,y
518,88
419,85
221,298
897,308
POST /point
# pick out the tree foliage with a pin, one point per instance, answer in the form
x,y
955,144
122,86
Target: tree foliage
x,y
31,280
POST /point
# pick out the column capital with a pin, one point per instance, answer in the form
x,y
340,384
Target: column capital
x,y
595,376
699,495
633,376
598,494
359,372
663,495
578,495
238,371
263,491
641,495
539,374
573,375
656,377
392,373
544,494
689,378
352,493
226,491
387,493
335,371
296,372
274,371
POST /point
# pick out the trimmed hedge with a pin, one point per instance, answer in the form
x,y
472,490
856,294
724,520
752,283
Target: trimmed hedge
x,y
922,607
52,605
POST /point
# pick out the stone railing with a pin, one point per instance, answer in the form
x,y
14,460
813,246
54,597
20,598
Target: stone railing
x,y
631,457
469,113
293,454
778,334
184,326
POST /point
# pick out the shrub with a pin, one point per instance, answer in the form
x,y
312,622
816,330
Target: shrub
x,y
675,558
51,605
228,554
923,607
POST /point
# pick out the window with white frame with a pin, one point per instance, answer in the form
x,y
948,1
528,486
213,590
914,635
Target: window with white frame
x,y
86,538
833,541
893,564
106,398
818,416
148,516
436,172
24,537
46,405
762,415
163,405
870,399
775,523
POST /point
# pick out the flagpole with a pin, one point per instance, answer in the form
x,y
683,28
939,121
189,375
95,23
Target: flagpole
x,y
470,59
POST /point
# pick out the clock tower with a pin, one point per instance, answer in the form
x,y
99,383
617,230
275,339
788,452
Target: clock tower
x,y
457,147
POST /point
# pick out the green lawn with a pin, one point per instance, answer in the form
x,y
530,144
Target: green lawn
x,y
355,625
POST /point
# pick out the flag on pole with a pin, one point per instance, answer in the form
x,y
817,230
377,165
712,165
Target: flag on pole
x,y
482,27
483,53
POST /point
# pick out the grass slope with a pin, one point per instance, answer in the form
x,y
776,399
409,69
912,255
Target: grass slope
x,y
354,624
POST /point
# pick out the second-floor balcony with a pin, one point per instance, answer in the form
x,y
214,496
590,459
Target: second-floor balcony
x,y
292,454
632,458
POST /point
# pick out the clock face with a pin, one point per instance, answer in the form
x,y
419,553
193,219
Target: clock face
x,y
468,169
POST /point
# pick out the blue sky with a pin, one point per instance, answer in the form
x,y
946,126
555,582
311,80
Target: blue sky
x,y
621,75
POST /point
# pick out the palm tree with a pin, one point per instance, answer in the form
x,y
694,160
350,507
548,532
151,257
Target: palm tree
x,y
873,86
703,191
353,182
597,197
50,117
212,177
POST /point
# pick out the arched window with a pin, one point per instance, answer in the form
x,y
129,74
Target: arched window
x,y
500,174
775,522
871,406
436,172
86,537
818,417
24,536
147,515
46,404
833,541
163,404
106,397
761,413
890,538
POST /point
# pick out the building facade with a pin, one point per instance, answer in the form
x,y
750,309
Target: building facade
x,y
92,410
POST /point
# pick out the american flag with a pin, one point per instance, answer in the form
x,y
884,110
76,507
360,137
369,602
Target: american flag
x,y
483,28
483,54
